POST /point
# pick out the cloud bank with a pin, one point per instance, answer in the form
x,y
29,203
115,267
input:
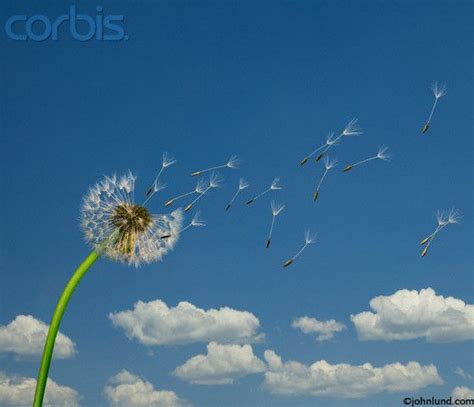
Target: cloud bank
x,y
344,380
128,390
222,365
412,314
26,335
154,323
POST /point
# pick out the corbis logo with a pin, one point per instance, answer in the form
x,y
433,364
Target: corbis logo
x,y
82,27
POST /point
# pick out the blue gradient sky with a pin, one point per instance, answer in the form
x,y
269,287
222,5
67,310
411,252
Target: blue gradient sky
x,y
267,81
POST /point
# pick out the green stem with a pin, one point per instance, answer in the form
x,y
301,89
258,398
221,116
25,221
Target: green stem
x,y
54,326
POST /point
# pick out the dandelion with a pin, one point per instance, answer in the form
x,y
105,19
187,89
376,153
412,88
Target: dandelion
x,y
438,92
276,210
453,217
167,161
308,239
196,221
116,228
214,182
233,163
330,141
242,185
199,189
352,129
275,185
328,164
381,155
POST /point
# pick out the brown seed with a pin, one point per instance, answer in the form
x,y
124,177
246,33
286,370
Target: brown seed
x,y
288,263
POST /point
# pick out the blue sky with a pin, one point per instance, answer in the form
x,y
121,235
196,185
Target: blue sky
x,y
267,81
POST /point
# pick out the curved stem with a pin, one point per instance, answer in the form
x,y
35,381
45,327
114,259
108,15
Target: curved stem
x,y
54,326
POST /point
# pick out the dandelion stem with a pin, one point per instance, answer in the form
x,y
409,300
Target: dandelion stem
x,y
54,326
366,160
432,110
301,251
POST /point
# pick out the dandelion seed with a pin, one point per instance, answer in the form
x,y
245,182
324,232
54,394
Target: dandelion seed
x,y
199,189
195,222
451,218
328,165
214,182
276,210
438,92
167,161
352,129
119,229
308,239
233,163
330,141
275,185
381,155
123,230
243,184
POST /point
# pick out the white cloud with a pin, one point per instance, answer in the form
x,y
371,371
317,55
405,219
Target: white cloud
x,y
19,391
128,390
412,314
462,393
324,329
222,365
344,380
461,372
26,335
154,323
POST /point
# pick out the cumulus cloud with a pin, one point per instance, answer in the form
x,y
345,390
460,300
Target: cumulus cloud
x,y
324,329
26,335
412,314
222,365
461,372
462,393
128,390
154,323
344,380
19,391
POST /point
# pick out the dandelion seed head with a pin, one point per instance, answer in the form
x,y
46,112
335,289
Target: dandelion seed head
x,y
200,186
215,181
276,184
331,140
454,216
439,90
441,218
276,208
123,230
197,221
328,163
309,238
352,129
233,162
167,160
243,184
382,153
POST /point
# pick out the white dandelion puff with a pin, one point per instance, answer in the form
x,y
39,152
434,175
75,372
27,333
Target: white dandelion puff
x,y
444,219
232,163
198,189
166,161
215,181
276,210
308,239
123,230
381,155
274,186
243,184
328,165
438,91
